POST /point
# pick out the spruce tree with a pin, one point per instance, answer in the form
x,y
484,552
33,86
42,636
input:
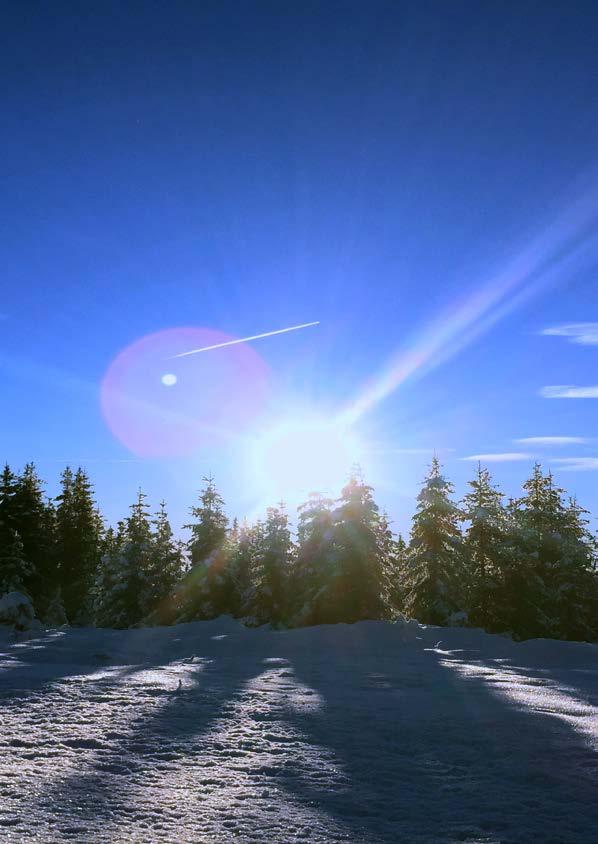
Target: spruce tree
x,y
434,572
122,582
550,586
363,572
165,567
316,566
109,608
137,553
577,579
35,523
208,530
390,567
55,614
8,502
397,574
484,549
529,594
241,558
79,530
274,551
205,582
15,570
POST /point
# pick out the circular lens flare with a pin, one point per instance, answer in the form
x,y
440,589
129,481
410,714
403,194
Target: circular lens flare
x,y
217,392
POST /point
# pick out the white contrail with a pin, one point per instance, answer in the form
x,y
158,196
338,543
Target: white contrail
x,y
246,339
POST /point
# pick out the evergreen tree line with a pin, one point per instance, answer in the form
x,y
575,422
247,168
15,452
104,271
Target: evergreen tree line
x,y
527,566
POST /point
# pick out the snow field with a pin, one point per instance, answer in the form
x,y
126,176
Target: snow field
x,y
373,732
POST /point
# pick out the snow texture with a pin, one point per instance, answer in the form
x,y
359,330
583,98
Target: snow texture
x,y
373,732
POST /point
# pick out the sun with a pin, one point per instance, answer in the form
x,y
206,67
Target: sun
x,y
297,457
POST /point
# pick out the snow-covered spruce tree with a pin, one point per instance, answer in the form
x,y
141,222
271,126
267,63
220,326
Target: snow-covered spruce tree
x,y
79,531
273,560
123,578
205,582
8,503
484,549
549,585
527,600
36,525
241,562
397,573
65,528
361,588
137,554
577,578
433,579
226,576
15,570
110,581
208,531
55,614
392,551
165,568
315,568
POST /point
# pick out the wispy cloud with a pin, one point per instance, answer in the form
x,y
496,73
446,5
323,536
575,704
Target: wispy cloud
x,y
583,333
499,457
569,391
551,441
577,464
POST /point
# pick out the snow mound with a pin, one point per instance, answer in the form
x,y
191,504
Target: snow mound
x,y
17,609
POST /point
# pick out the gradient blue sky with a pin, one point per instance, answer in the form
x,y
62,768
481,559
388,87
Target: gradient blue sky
x,y
419,177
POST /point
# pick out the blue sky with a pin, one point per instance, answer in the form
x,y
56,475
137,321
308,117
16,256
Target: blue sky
x,y
421,178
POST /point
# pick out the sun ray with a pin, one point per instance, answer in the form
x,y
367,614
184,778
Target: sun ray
x,y
556,251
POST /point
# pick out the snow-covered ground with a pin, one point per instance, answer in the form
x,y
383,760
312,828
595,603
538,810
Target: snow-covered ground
x,y
210,732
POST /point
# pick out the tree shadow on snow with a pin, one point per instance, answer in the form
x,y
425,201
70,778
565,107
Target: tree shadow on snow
x,y
436,753
163,733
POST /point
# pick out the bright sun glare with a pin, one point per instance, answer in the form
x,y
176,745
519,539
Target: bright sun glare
x,y
312,455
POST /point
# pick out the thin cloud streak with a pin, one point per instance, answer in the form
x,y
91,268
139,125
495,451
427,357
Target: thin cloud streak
x,y
569,391
245,339
556,441
577,464
500,457
582,333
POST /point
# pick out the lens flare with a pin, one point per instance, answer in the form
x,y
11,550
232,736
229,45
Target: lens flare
x,y
210,398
